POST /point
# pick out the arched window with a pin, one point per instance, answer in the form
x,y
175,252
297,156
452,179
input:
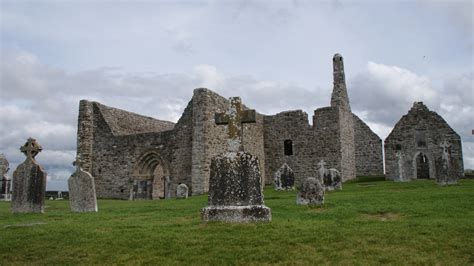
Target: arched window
x,y
288,144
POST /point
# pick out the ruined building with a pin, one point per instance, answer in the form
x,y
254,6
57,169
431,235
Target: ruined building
x,y
133,156
423,146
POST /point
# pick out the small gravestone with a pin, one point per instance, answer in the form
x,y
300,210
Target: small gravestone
x,y
182,191
235,190
29,181
82,196
5,181
311,192
330,178
60,195
445,174
284,178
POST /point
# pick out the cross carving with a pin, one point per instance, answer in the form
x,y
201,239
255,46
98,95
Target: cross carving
x,y
31,148
234,117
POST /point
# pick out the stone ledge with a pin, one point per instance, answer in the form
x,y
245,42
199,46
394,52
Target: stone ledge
x,y
237,214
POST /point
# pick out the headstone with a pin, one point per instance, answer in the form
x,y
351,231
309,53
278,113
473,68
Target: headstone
x,y
329,178
182,191
235,191
401,172
311,192
168,187
284,178
82,196
29,181
5,181
445,175
60,195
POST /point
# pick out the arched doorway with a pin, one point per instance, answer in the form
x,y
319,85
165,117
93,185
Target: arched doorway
x,y
422,166
151,177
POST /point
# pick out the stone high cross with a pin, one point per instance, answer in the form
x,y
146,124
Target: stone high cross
x,y
234,117
31,148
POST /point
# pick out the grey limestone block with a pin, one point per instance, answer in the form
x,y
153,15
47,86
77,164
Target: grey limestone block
x,y
235,192
82,195
311,192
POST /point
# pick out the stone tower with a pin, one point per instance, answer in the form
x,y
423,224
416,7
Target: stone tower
x,y
340,101
339,97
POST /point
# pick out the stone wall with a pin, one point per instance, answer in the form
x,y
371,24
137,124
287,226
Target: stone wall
x,y
113,158
368,150
209,139
327,144
290,125
117,145
420,131
182,143
347,152
340,101
85,134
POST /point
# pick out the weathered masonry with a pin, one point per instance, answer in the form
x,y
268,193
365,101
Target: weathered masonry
x,y
133,156
420,145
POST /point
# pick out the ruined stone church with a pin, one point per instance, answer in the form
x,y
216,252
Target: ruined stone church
x,y
138,157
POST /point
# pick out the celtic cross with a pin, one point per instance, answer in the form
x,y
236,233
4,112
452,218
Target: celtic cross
x,y
234,117
31,148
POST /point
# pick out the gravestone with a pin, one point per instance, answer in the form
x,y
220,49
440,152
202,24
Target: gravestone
x,y
311,192
29,181
82,197
445,175
235,190
168,187
5,181
182,191
401,172
60,195
329,178
284,178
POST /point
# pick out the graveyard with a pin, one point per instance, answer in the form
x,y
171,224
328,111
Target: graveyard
x,y
370,221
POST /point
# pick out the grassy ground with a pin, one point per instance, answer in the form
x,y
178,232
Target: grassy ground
x,y
369,222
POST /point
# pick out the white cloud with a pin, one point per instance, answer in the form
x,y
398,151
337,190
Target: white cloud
x,y
382,94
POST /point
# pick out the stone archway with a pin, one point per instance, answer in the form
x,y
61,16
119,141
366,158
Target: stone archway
x,y
151,177
423,167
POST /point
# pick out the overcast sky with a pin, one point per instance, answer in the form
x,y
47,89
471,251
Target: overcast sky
x,y
148,56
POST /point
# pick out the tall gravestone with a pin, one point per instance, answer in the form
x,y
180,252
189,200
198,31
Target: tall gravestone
x,y
82,197
401,171
5,181
445,174
235,191
29,181
284,178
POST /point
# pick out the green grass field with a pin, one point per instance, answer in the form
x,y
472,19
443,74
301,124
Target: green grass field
x,y
369,222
